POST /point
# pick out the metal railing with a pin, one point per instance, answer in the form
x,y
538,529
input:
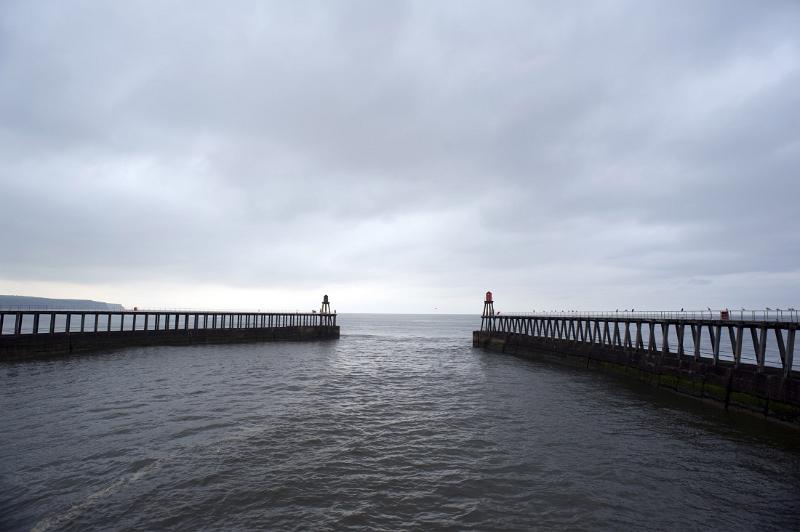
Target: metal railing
x,y
790,315
16,323
762,342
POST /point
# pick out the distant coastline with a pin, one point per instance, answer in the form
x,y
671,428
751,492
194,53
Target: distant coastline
x,y
45,303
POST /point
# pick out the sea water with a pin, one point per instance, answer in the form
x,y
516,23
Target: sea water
x,y
399,424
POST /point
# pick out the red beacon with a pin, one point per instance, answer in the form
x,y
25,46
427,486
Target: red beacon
x,y
488,305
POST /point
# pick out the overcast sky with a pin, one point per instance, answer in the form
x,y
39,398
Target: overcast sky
x,y
402,156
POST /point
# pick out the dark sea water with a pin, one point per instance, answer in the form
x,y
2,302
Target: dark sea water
x,y
400,424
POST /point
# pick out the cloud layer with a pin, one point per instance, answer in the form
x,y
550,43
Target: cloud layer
x,y
401,155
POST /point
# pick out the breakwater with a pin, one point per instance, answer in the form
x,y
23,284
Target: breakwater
x,y
30,334
742,364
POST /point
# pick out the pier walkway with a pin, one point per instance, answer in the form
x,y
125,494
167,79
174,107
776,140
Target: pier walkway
x,y
28,333
742,358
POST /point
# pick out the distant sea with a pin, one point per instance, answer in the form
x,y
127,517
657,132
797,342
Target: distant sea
x,y
400,424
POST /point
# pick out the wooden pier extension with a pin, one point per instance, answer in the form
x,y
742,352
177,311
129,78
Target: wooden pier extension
x,y
745,364
30,334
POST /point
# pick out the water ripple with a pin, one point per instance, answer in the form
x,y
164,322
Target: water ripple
x,y
399,425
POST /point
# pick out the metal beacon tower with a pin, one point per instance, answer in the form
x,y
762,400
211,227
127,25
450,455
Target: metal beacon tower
x,y
488,311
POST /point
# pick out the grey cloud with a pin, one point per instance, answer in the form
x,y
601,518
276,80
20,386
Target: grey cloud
x,y
457,144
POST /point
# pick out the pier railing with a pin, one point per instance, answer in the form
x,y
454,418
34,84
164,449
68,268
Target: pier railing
x,y
765,339
782,315
23,322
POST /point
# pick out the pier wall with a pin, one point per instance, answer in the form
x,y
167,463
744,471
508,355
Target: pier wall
x,y
766,391
25,335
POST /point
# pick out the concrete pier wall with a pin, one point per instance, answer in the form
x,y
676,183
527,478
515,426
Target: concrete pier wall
x,y
763,391
41,345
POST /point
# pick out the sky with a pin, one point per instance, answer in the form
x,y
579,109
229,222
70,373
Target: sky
x,y
401,156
